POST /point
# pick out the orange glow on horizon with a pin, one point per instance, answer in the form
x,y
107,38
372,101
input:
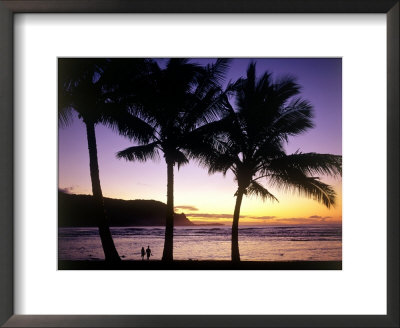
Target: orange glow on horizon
x,y
218,205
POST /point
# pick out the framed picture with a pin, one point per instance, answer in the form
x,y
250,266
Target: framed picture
x,y
62,260
202,223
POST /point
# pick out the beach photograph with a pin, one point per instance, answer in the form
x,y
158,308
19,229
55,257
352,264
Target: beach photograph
x,y
199,164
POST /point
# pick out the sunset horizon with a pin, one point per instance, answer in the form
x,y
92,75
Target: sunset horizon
x,y
195,216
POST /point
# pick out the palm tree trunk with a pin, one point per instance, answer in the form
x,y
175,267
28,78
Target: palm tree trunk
x,y
169,224
235,227
107,242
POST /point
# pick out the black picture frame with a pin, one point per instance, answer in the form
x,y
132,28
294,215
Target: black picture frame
x,y
10,7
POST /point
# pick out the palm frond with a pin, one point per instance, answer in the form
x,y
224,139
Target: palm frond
x,y
250,81
64,116
126,124
140,153
79,88
285,88
180,158
308,163
258,190
213,155
309,187
217,71
294,119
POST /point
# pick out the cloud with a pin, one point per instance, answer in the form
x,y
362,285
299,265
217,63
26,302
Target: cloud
x,y
321,218
267,219
297,220
261,217
210,222
67,190
313,219
186,207
211,216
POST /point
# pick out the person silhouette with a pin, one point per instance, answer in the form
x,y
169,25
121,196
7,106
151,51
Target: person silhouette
x,y
148,252
142,252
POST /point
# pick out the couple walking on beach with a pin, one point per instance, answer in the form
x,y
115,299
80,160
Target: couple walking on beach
x,y
147,252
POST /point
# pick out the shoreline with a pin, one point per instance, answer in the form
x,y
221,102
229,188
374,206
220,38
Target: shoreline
x,y
199,265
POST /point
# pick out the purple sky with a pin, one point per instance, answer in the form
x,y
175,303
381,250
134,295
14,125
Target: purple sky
x,y
321,81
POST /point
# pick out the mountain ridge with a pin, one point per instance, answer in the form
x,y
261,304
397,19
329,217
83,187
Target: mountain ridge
x,y
77,211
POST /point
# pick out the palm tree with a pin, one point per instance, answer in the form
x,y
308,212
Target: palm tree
x,y
174,102
249,142
86,86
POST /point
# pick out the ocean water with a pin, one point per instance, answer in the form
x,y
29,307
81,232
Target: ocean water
x,y
256,243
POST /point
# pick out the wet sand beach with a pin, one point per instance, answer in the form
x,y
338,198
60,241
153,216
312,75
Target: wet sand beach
x,y
199,265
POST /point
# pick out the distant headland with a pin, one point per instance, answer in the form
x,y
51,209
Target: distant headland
x,y
77,211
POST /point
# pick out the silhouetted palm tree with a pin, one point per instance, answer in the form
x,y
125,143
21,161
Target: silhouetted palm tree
x,y
174,102
249,142
86,86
